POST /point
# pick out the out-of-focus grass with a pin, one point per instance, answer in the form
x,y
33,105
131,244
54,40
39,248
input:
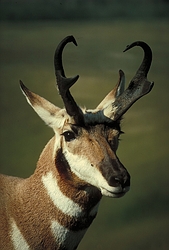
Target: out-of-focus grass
x,y
140,220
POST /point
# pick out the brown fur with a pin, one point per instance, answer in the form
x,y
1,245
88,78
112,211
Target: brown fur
x,y
26,201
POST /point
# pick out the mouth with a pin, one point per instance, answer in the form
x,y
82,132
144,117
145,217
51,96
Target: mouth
x,y
114,194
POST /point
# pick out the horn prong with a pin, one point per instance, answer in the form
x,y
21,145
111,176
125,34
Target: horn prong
x,y
138,87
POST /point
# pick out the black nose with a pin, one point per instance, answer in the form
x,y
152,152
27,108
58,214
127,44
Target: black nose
x,y
122,180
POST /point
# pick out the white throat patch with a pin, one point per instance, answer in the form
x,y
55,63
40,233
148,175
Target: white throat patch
x,y
61,201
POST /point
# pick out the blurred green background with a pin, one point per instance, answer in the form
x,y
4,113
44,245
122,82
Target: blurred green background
x,y
30,32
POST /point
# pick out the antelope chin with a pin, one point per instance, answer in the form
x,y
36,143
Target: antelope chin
x,y
114,194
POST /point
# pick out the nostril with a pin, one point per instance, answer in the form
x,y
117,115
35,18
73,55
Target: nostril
x,y
118,180
122,181
115,181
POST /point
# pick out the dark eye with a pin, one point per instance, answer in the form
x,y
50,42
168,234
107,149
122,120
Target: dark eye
x,y
69,136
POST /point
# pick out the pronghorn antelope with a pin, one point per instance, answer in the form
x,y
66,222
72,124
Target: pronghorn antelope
x,y
53,208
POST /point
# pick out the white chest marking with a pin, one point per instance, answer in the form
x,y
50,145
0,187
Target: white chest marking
x,y
18,240
61,201
65,237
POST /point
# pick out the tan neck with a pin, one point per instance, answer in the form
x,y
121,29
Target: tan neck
x,y
41,198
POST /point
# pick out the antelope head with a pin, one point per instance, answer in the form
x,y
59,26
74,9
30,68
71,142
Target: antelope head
x,y
86,141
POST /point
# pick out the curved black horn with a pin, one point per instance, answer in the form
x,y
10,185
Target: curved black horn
x,y
64,83
146,63
139,85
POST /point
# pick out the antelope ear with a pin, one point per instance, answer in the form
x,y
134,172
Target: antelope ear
x,y
48,112
117,91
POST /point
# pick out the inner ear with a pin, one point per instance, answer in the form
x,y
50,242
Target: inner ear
x,y
117,91
52,115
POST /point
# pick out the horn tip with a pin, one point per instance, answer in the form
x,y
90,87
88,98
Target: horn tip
x,y
127,47
72,39
137,43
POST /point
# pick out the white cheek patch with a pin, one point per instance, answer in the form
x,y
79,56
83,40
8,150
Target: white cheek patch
x,y
61,201
18,240
65,237
81,167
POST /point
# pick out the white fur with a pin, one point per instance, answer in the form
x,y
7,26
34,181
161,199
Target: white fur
x,y
55,120
18,240
67,238
81,167
60,200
